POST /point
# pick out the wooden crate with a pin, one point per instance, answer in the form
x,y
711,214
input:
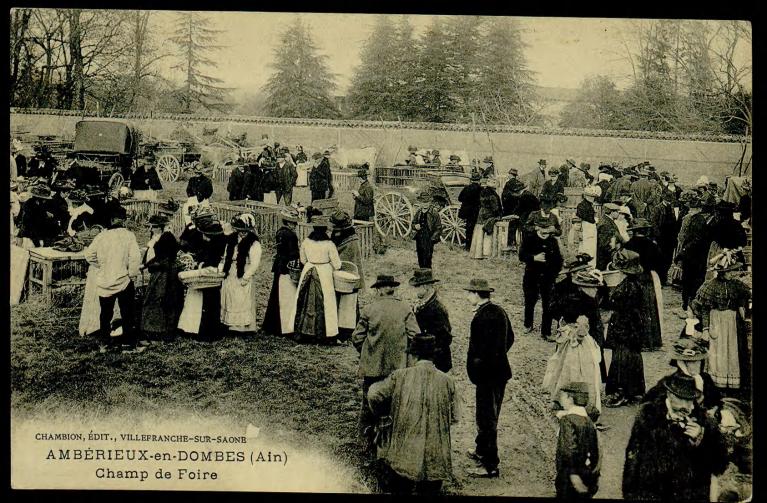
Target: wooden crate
x,y
50,270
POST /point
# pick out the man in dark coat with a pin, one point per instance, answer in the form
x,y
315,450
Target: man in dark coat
x,y
285,251
286,174
37,221
488,169
469,211
543,260
608,236
364,198
510,193
487,364
527,204
300,154
428,229
321,179
253,183
674,447
577,457
236,184
692,250
432,317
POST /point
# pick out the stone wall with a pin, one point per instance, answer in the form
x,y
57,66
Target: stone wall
x,y
688,156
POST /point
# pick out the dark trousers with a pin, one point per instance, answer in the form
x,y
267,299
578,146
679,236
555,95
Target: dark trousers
x,y
470,232
318,194
691,282
489,399
126,300
367,419
287,195
535,283
425,249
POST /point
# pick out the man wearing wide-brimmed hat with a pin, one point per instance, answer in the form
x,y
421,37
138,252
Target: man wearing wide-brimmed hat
x,y
364,197
428,228
321,179
423,407
384,332
536,178
543,260
116,253
674,448
37,220
488,167
432,316
487,364
283,292
469,210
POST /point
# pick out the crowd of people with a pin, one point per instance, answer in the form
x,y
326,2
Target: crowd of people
x,y
634,231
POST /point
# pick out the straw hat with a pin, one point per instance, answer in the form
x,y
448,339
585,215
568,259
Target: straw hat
x,y
689,349
341,220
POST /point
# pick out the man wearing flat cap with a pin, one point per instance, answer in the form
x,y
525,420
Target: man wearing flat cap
x,y
432,317
423,407
321,179
384,331
674,448
487,365
454,163
364,197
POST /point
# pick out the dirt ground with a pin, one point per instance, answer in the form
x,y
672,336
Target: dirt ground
x,y
307,394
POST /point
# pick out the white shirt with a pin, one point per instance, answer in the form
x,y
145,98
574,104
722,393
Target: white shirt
x,y
320,252
116,254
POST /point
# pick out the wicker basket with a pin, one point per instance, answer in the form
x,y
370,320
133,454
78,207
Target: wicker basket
x,y
294,269
612,278
345,279
199,279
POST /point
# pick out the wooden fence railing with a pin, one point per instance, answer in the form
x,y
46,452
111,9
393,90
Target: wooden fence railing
x,y
365,231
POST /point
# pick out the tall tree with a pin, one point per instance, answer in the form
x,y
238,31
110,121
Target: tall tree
x,y
505,91
301,85
404,99
464,39
597,106
196,39
372,94
436,94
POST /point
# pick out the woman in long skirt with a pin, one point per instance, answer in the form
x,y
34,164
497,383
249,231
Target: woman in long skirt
x,y
727,233
315,316
625,378
576,359
204,239
651,300
242,258
489,210
347,242
283,294
721,304
164,293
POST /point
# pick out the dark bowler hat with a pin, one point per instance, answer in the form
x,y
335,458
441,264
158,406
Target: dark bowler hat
x,y
682,385
475,177
454,157
478,285
362,173
542,162
158,221
422,345
383,280
341,220
640,223
513,171
422,276
210,226
326,153
515,186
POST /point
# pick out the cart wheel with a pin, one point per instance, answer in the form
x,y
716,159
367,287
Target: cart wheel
x,y
394,215
168,168
453,228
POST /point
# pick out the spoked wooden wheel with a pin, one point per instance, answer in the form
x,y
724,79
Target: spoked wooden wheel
x,y
168,168
453,228
394,215
116,182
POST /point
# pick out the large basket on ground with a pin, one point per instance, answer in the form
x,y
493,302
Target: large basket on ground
x,y
294,270
345,279
201,278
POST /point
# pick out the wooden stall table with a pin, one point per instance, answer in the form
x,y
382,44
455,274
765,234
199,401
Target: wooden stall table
x,y
50,270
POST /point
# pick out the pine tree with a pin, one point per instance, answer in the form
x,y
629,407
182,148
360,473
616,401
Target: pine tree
x,y
404,98
372,93
597,106
505,91
195,39
435,87
301,85
464,37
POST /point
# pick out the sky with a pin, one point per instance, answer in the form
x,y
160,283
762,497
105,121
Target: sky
x,y
561,52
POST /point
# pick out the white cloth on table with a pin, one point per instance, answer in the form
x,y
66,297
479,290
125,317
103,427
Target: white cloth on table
x,y
238,303
322,256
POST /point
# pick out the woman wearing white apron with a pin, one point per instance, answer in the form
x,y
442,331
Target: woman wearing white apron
x,y
349,250
315,316
283,295
242,258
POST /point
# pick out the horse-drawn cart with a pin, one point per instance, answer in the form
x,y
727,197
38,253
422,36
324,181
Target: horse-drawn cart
x,y
171,158
395,213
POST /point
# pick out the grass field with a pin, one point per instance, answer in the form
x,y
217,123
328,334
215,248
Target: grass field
x,y
310,395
